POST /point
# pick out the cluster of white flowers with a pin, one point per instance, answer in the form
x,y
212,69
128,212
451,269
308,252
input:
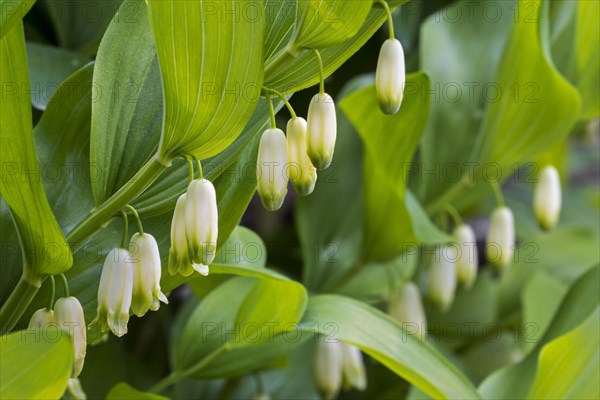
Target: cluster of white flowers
x,y
309,146
336,364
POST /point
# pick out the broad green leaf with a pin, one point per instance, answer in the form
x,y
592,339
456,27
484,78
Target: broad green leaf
x,y
514,115
48,67
568,367
80,24
383,339
516,381
220,331
323,24
329,221
45,250
127,112
575,48
390,143
212,73
280,16
12,12
35,364
122,391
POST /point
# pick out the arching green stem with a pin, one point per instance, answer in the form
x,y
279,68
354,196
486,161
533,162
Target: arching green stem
x,y
385,6
454,214
190,169
321,72
52,292
200,172
271,113
66,285
125,227
498,193
137,218
282,97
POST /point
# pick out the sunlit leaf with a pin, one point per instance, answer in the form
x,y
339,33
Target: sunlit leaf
x,y
12,12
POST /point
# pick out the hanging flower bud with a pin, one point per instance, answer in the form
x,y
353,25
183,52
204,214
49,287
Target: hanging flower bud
x,y
547,197
42,319
145,262
202,221
501,238
75,390
178,253
114,292
353,369
406,307
271,169
390,77
321,130
442,277
328,368
69,315
466,265
302,173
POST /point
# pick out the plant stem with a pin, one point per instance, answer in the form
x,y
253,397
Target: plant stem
x,y
16,304
165,383
125,228
98,217
321,72
385,6
137,218
454,214
200,172
271,113
190,169
497,193
52,293
282,97
65,284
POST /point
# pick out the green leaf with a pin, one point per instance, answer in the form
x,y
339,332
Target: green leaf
x,y
48,67
35,364
122,391
80,24
209,93
44,247
127,115
383,339
516,381
568,367
322,24
12,12
515,115
219,332
390,143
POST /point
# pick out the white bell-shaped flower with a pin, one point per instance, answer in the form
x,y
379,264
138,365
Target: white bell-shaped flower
x,y
146,267
390,77
114,292
442,276
179,261
300,169
405,305
328,368
69,315
43,319
466,265
271,169
321,130
201,221
353,368
547,197
500,244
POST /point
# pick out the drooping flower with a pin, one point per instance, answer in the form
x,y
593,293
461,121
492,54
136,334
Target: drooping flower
x,y
69,315
406,307
328,368
146,268
547,197
442,277
201,221
271,169
321,130
353,368
500,248
466,265
42,319
301,171
179,261
114,292
390,76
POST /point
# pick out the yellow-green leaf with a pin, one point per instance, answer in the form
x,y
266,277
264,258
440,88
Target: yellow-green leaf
x,y
11,12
